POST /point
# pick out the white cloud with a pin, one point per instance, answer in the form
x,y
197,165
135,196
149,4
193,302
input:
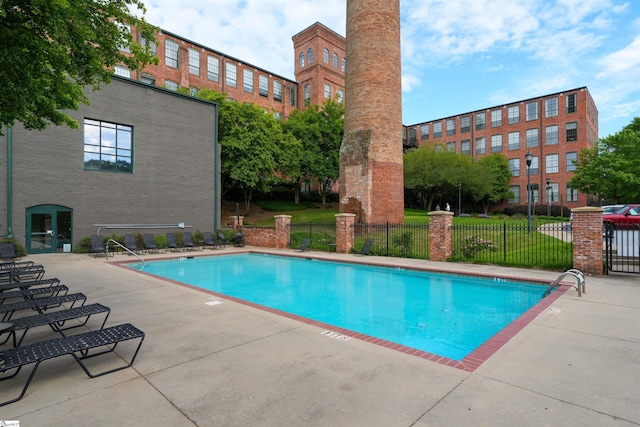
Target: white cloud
x,y
622,61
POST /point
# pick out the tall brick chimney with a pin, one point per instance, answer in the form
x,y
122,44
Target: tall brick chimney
x,y
371,172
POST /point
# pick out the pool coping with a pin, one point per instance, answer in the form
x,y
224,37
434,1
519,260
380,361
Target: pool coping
x,y
469,363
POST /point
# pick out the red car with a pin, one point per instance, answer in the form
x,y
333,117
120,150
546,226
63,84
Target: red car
x,y
627,217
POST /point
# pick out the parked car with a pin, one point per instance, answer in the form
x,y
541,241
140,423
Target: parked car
x,y
611,208
627,217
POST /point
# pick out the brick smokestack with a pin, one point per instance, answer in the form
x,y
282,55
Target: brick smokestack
x,y
371,170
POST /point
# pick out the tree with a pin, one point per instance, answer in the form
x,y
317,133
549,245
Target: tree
x,y
495,174
320,131
51,49
610,170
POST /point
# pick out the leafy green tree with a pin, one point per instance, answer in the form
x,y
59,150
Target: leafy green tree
x,y
494,176
320,130
610,170
51,49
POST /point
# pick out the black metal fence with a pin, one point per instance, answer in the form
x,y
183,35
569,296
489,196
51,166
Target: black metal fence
x,y
397,240
321,235
622,247
547,246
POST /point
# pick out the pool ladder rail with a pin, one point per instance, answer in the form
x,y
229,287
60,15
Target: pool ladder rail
x,y
116,243
577,274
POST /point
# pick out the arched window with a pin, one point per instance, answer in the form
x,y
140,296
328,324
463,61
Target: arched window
x,y
340,95
310,56
325,55
301,61
336,61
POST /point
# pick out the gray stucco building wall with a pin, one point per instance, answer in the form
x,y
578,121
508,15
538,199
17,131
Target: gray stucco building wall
x,y
175,161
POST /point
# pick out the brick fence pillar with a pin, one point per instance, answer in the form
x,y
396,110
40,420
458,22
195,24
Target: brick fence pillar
x,y
440,247
345,232
283,231
587,240
237,221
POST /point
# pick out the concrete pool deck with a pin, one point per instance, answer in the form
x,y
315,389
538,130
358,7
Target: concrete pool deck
x,y
230,364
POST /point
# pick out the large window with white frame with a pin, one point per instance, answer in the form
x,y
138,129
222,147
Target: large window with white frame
x,y
514,166
481,121
572,131
292,95
532,138
572,161
551,163
307,94
514,140
122,71
301,60
108,146
451,147
325,55
171,53
231,74
514,198
437,130
551,107
496,118
194,62
571,102
465,147
340,95
572,194
424,132
553,194
277,91
327,91
465,124
247,80
171,85
481,145
496,143
513,114
336,60
451,127
213,68
534,168
532,111
551,135
263,85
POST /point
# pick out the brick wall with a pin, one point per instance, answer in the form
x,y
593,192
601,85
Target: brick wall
x,y
587,240
440,236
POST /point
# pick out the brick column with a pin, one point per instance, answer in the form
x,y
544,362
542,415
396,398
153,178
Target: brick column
x,y
440,247
237,221
283,231
587,240
345,232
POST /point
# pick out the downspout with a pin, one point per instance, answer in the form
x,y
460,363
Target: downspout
x,y
217,211
9,182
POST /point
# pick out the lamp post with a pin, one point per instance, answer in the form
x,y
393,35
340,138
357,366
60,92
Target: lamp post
x,y
528,158
459,199
548,198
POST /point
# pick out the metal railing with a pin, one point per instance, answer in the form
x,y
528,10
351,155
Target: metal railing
x,y
398,240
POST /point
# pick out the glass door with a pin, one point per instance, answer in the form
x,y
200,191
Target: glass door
x,y
42,237
48,229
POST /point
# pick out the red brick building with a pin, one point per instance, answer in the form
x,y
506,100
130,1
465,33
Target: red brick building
x,y
553,128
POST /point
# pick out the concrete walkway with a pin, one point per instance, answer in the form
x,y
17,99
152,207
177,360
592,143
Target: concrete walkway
x,y
230,364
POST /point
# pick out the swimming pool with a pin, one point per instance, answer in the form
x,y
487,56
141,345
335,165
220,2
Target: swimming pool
x,y
442,314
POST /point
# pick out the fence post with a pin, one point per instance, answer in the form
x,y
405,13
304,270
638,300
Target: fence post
x,y
586,228
440,235
345,232
283,231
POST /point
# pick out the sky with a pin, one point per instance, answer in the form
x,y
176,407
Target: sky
x,y
457,55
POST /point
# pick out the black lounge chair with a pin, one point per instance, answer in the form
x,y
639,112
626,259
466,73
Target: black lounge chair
x,y
187,241
21,273
27,284
77,346
41,292
130,242
304,245
366,248
150,243
54,319
97,246
8,251
221,241
238,240
208,240
172,244
40,304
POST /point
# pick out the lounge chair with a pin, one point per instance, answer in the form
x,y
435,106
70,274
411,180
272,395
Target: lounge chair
x,y
130,243
38,292
304,245
27,284
97,246
172,244
150,243
238,240
8,251
187,241
40,304
366,248
77,346
221,241
54,319
21,273
209,241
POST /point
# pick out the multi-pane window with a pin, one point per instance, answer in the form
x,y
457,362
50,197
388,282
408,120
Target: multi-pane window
x,y
344,64
307,94
437,130
481,145
465,124
496,143
327,91
171,49
532,138
515,194
171,85
301,60
572,131
292,96
194,62
213,68
247,80
571,102
481,121
534,168
551,107
532,111
424,132
465,147
127,29
325,55
572,161
336,60
551,135
514,166
412,137
310,56
534,193
108,146
146,43
551,163
496,118
513,114
263,85
119,70
451,147
340,95
231,74
148,79
572,194
514,140
277,91
553,192
451,127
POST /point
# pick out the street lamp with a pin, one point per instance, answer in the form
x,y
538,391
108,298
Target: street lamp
x,y
548,198
459,199
528,158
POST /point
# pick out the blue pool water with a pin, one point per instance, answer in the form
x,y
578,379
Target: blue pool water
x,y
448,315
